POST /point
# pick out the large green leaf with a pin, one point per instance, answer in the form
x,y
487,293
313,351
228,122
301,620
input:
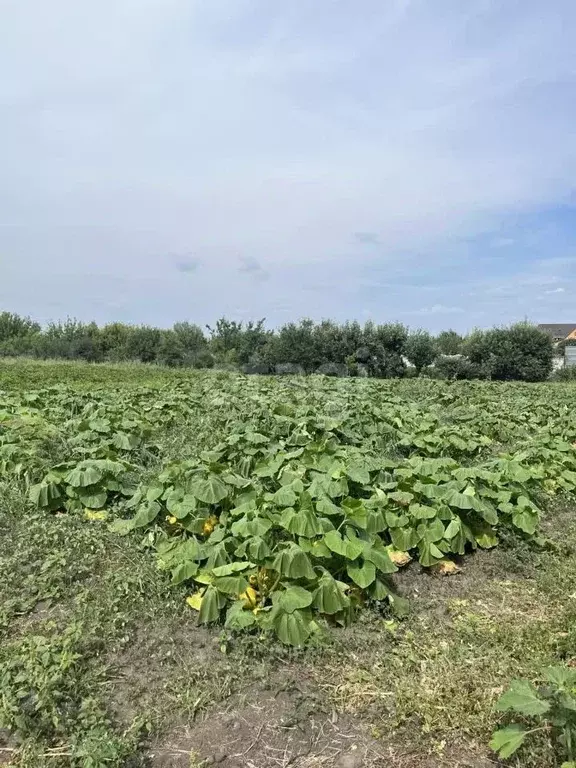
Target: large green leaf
x,y
184,507
378,590
488,512
453,529
459,500
146,514
293,563
184,571
246,528
239,618
125,442
380,557
231,568
292,628
358,474
404,539
396,520
93,498
217,555
83,476
255,548
431,531
231,585
325,506
212,603
329,596
355,512
506,741
303,523
294,598
285,497
561,677
422,512
210,491
429,554
45,495
375,521
346,547
361,573
522,697
526,519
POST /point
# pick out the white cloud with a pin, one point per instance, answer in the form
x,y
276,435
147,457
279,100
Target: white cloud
x,y
275,131
439,309
555,290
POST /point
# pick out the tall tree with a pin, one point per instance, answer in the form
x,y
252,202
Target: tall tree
x,y
420,349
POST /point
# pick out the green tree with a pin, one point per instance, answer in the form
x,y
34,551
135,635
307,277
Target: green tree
x,y
476,347
142,343
329,343
449,343
381,349
236,342
114,339
522,352
13,326
420,349
170,350
293,343
190,336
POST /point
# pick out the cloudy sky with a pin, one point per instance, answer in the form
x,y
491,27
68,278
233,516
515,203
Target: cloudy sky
x,y
409,160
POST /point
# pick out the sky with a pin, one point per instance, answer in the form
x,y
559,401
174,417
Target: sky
x,y
386,160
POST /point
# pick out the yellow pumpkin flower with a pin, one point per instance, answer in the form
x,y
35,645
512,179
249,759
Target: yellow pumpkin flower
x,y
209,524
195,601
250,597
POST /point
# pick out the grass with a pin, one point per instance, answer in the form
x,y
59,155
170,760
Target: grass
x,y
18,373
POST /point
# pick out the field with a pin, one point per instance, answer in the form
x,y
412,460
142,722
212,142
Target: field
x,y
210,569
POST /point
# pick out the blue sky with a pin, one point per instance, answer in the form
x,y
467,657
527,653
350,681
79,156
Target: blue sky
x,y
410,160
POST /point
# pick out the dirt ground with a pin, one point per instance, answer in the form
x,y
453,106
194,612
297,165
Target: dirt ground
x,y
286,718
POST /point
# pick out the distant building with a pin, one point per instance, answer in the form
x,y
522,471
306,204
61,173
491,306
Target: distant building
x,y
559,331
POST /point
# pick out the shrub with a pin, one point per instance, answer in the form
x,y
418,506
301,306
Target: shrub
x,y
289,369
333,369
13,326
522,352
202,360
454,367
565,374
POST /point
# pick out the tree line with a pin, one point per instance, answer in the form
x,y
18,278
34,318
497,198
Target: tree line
x,y
519,352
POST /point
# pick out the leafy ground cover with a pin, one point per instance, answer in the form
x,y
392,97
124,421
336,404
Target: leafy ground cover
x,y
278,513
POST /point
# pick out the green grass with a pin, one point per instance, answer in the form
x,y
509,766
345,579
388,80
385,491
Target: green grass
x,y
23,373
